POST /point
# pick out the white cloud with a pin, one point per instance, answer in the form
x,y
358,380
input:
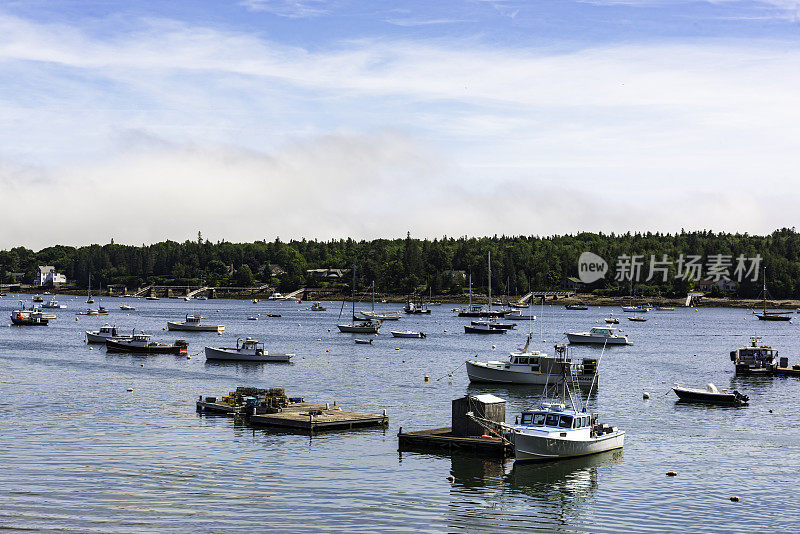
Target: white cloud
x,y
253,139
290,8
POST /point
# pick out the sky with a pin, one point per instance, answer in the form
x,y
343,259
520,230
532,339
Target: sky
x,y
257,119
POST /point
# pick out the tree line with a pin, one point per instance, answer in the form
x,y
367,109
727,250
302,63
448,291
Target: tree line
x,y
406,266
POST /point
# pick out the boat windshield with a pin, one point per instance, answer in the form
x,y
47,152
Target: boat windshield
x,y
551,419
566,421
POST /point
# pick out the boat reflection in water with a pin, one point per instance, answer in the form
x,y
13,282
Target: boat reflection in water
x,y
571,477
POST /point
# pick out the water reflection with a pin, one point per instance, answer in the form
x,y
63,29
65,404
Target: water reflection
x,y
563,478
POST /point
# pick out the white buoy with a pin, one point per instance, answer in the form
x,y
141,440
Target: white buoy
x,y
645,395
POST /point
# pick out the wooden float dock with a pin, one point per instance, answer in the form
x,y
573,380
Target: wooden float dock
x,y
443,439
313,416
786,371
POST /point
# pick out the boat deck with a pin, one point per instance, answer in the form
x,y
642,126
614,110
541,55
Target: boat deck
x,y
443,439
315,416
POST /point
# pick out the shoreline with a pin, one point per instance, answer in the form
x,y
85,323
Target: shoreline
x,y
586,299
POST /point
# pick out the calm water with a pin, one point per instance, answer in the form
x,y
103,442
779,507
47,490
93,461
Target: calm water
x,y
78,452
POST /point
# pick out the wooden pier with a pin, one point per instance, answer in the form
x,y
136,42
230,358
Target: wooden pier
x,y
443,439
313,416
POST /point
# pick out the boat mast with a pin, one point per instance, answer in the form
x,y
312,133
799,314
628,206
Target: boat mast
x,y
353,320
764,291
490,280
470,289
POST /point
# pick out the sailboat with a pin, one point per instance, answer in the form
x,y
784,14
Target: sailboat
x,y
771,316
357,326
477,310
387,316
89,299
486,327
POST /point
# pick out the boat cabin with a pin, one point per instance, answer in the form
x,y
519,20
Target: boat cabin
x,y
141,337
249,345
193,318
555,416
109,330
602,331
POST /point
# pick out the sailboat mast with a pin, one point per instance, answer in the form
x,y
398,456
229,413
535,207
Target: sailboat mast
x,y
470,290
490,280
354,294
764,291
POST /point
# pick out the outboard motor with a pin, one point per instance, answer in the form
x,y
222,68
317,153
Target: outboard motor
x,y
733,355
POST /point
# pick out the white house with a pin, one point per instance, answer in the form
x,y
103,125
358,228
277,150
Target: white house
x,y
46,275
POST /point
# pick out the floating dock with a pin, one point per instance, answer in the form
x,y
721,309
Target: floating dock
x,y
786,371
443,439
312,416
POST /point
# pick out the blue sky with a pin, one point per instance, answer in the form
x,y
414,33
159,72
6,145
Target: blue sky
x,y
259,118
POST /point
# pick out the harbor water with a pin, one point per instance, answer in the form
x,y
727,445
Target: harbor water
x,y
81,452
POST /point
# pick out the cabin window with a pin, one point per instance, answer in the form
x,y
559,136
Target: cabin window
x,y
566,421
526,418
538,419
523,361
551,420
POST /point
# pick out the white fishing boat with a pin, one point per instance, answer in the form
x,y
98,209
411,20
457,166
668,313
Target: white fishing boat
x,y
140,343
44,315
527,366
53,304
127,307
89,311
517,315
553,432
612,320
247,350
193,324
409,334
151,297
756,359
598,335
105,333
38,298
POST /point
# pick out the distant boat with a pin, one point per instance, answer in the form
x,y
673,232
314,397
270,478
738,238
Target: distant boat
x,y
612,320
363,341
89,299
598,335
317,307
37,298
483,329
247,350
127,307
23,317
576,307
53,304
105,333
192,324
152,297
409,334
771,315
140,343
357,326
637,318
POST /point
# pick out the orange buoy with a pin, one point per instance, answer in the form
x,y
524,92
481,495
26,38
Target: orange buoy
x,y
427,378
450,478
734,499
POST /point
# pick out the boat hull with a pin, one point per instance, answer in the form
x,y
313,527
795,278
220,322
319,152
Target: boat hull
x,y
213,353
772,317
182,327
482,330
29,322
418,335
356,329
481,372
91,337
533,448
116,346
690,395
596,340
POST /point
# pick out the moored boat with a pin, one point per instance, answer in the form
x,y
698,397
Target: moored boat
x,y
483,329
494,324
249,350
598,335
553,432
576,307
710,395
38,298
105,333
140,343
409,334
127,307
526,366
23,317
193,324
637,319
53,304
317,307
612,320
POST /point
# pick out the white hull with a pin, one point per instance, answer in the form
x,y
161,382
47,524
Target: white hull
x,y
92,337
596,340
483,372
535,448
242,356
183,327
408,334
